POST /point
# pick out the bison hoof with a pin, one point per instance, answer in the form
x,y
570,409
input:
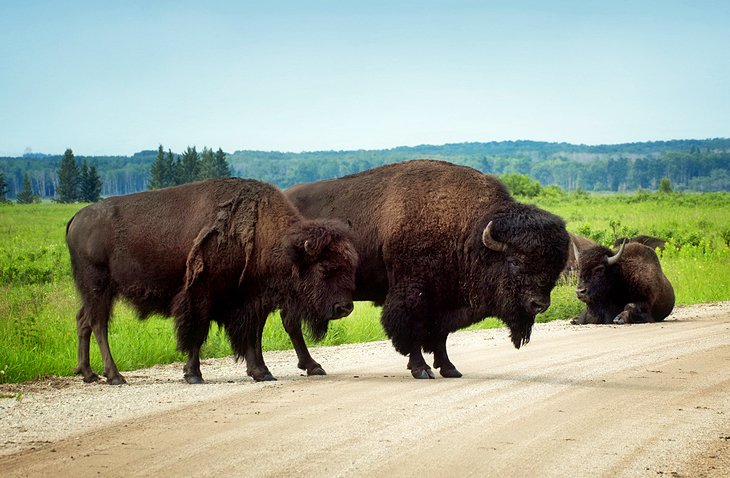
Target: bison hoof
x,y
621,318
316,371
450,372
194,379
115,380
267,377
91,378
424,373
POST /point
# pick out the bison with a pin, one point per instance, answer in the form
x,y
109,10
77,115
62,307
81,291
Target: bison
x,y
624,287
649,241
226,250
441,247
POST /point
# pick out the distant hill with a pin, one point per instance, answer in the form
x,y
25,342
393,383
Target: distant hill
x,y
690,164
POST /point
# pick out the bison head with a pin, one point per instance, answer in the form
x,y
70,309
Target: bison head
x,y
323,262
596,273
525,249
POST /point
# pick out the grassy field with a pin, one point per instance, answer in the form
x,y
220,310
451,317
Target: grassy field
x,y
38,302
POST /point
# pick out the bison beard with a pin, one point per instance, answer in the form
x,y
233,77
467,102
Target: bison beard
x,y
229,251
441,247
521,331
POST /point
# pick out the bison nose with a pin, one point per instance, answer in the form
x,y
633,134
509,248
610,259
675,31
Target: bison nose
x,y
580,292
539,305
342,310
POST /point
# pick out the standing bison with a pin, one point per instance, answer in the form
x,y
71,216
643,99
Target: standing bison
x,y
623,287
441,247
227,250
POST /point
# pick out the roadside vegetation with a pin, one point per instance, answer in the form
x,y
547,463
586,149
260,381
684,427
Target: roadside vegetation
x,y
38,302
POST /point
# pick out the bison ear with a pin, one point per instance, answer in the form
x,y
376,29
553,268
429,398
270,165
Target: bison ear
x,y
491,242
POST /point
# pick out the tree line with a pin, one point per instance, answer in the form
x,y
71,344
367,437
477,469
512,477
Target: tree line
x,y
76,183
690,165
699,168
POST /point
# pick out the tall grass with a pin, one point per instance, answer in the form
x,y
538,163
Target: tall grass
x,y
38,302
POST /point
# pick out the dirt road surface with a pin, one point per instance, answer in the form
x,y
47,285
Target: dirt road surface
x,y
638,400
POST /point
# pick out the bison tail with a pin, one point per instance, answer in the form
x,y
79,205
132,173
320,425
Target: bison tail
x,y
191,327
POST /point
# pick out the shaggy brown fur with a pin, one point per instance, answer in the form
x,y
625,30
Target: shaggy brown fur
x,y
229,250
420,233
634,289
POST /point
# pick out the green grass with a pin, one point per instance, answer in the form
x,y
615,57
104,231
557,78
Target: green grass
x,y
38,302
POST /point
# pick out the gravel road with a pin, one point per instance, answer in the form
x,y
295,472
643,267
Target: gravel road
x,y
637,400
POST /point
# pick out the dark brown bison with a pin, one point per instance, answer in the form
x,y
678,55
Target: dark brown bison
x,y
649,241
627,286
228,250
577,243
441,247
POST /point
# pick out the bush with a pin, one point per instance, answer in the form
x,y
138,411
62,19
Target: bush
x,y
521,185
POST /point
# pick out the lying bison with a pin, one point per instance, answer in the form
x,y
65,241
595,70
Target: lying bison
x,y
227,250
623,287
649,241
441,247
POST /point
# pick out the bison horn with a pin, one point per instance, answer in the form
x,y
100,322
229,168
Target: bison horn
x,y
576,252
309,248
611,260
490,242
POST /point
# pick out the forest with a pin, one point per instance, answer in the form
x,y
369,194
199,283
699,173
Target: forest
x,y
690,165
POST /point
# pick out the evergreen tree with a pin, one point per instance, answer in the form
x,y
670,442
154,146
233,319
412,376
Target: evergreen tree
x,y
68,178
3,187
207,164
221,165
158,172
171,168
89,184
83,174
189,166
214,165
26,196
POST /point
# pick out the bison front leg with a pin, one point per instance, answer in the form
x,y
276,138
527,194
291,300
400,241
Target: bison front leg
x,y
245,333
634,313
293,327
441,358
191,370
403,320
255,366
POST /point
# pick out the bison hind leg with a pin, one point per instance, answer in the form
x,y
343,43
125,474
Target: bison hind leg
x,y
83,330
94,317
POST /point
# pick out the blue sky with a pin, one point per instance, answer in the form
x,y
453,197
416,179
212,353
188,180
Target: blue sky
x,y
119,77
